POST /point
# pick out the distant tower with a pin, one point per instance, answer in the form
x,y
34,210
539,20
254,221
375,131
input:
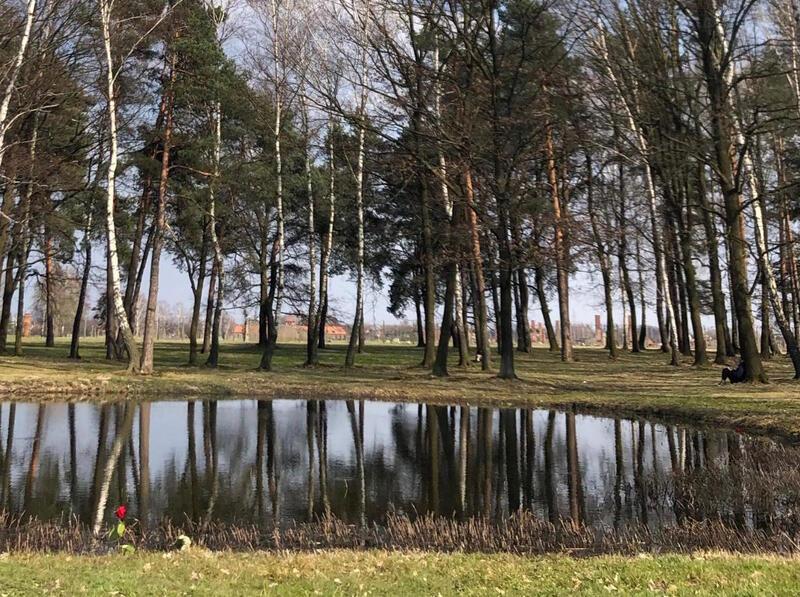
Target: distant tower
x,y
598,329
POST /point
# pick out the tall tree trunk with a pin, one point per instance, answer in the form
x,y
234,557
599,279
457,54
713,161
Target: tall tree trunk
x,y
323,322
734,345
358,320
521,295
357,332
420,329
137,260
718,79
715,272
458,326
788,260
429,297
22,270
541,293
505,306
87,267
763,308
49,282
321,316
148,342
690,274
643,302
23,244
119,308
263,287
622,257
561,250
446,331
788,264
137,289
523,325
272,325
110,340
677,289
481,309
213,353
603,259
768,277
210,301
311,323
197,294
273,319
10,285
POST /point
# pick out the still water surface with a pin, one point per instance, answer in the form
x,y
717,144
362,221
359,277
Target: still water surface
x,y
262,462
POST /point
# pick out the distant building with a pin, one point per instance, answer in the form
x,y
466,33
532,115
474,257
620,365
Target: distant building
x,y
291,329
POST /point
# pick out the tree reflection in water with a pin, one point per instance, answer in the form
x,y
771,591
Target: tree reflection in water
x,y
267,462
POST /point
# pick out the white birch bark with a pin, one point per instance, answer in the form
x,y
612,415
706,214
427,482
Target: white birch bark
x,y
460,323
277,55
328,246
358,320
213,356
119,308
212,213
312,244
30,16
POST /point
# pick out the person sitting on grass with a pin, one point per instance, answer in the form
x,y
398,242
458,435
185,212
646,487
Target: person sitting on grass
x,y
734,375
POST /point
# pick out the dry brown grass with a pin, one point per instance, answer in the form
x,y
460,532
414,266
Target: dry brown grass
x,y
522,533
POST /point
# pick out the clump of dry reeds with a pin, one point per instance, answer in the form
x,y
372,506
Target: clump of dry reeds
x,y
521,533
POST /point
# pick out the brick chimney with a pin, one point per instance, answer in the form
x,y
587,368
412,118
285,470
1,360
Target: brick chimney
x,y
598,329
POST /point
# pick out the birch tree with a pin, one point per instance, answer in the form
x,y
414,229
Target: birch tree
x,y
131,347
276,11
219,14
361,19
13,76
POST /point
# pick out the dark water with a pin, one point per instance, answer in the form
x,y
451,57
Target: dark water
x,y
248,461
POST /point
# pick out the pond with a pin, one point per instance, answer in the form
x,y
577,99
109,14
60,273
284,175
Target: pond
x,y
285,461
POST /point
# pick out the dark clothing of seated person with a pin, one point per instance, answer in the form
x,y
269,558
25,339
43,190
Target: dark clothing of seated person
x,y
734,375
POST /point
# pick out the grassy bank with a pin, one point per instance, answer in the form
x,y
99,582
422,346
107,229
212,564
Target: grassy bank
x,y
393,573
634,384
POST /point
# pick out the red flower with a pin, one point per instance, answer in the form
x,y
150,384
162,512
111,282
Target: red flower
x,y
121,511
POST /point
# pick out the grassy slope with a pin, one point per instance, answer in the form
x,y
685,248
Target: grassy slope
x,y
381,573
636,384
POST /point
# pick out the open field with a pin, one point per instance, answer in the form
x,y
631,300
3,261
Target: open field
x,y
393,573
634,384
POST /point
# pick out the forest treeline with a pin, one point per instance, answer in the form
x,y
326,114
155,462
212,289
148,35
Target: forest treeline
x,y
469,156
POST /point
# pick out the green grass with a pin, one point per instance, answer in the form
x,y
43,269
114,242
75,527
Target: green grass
x,y
633,384
395,573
